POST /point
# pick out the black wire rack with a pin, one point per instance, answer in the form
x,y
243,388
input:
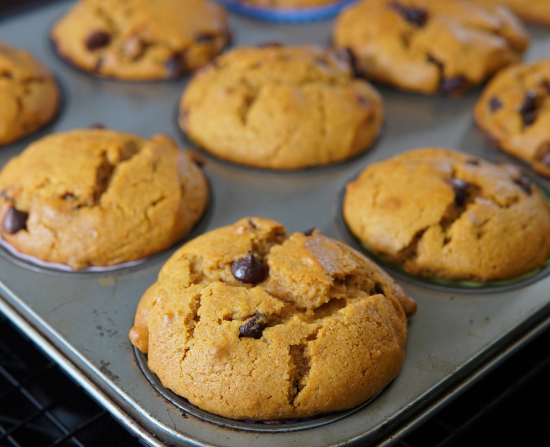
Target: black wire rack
x,y
41,406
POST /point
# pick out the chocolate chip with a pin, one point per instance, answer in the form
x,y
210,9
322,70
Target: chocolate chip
x,y
97,39
96,126
174,66
495,104
546,85
472,161
254,327
249,269
309,232
14,220
251,223
415,15
528,110
205,38
68,196
460,189
524,183
453,86
379,288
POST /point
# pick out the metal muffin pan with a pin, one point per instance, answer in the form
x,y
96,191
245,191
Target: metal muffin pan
x,y
82,319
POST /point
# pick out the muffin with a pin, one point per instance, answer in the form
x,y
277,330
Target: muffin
x,y
249,324
537,11
514,110
450,215
28,94
430,46
278,107
98,198
141,39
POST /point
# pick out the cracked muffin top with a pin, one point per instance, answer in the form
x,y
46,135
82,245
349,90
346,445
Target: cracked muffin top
x,y
141,39
29,97
449,215
514,110
430,46
250,324
97,197
537,11
279,107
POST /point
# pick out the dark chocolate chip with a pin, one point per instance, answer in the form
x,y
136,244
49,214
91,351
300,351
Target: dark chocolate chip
x,y
546,85
97,39
174,66
495,104
254,327
453,86
96,126
379,288
249,269
205,38
269,44
472,161
524,183
251,223
528,109
460,188
412,14
14,220
309,232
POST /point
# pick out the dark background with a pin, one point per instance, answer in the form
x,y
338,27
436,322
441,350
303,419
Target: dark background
x,y
41,406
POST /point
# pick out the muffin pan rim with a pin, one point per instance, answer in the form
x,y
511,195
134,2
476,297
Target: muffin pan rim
x,y
110,363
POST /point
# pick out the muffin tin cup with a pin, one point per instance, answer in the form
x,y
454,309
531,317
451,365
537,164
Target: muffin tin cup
x,y
454,338
33,263
287,15
187,141
444,285
282,426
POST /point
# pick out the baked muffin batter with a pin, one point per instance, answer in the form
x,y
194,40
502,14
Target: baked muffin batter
x,y
531,10
450,215
98,197
514,110
430,46
141,39
249,324
281,108
29,97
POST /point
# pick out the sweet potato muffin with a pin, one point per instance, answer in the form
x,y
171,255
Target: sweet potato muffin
x,y
98,197
279,107
141,39
430,46
248,323
450,215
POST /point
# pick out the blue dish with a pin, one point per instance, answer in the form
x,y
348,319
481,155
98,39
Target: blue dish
x,y
288,15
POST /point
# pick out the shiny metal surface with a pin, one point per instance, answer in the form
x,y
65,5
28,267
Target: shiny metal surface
x,y
454,338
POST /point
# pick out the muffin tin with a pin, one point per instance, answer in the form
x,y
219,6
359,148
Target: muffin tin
x,y
82,319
